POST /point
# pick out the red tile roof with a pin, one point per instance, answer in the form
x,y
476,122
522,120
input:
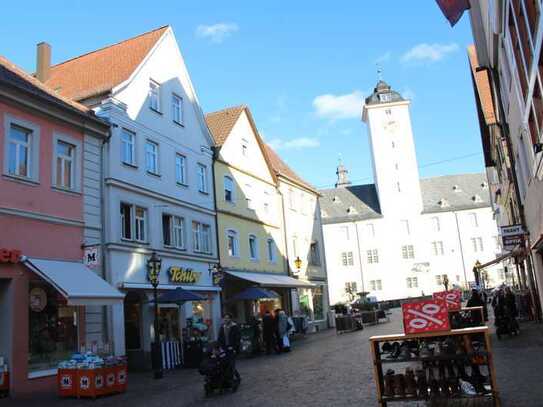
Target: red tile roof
x,y
222,122
100,71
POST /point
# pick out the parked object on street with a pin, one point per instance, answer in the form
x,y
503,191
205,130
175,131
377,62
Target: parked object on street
x,y
219,370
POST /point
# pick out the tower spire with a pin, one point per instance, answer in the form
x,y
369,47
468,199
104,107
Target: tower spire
x,y
379,71
342,175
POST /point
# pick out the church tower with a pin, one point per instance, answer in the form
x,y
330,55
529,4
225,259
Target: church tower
x,y
342,175
395,168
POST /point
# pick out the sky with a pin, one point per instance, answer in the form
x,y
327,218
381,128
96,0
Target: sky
x,y
302,67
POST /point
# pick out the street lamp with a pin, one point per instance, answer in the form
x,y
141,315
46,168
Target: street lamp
x,y
154,265
446,282
298,264
476,272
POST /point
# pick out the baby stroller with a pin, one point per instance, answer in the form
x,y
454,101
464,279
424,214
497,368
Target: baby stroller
x,y
219,371
506,323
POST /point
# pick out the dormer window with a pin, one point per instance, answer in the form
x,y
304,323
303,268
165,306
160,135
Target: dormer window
x,y
484,185
351,210
476,198
444,203
456,188
336,199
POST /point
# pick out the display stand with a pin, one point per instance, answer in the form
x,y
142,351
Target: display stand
x,y
92,383
469,358
466,317
4,383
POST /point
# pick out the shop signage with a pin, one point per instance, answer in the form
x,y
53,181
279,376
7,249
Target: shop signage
x,y
184,275
425,316
10,255
91,257
218,278
453,298
512,236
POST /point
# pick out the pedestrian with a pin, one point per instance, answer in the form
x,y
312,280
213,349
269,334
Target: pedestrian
x,y
229,334
510,302
282,331
477,301
268,331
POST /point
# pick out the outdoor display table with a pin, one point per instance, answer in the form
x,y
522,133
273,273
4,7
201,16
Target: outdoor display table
x,y
466,317
475,358
92,383
4,383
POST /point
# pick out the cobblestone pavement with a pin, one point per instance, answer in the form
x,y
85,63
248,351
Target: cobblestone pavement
x,y
324,369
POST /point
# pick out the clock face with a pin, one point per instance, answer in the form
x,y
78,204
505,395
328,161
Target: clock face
x,y
390,126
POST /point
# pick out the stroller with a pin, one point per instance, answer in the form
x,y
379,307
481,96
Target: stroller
x,y
219,371
506,323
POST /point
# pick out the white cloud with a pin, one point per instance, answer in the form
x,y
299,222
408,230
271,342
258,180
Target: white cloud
x,y
293,144
334,107
216,33
383,58
429,52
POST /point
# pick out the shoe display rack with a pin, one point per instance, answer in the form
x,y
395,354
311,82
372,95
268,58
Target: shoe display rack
x,y
437,368
466,317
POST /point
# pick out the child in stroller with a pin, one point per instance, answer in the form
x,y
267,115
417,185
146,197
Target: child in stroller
x,y
219,370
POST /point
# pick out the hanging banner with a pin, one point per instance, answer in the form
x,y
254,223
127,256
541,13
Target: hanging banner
x,y
425,316
453,299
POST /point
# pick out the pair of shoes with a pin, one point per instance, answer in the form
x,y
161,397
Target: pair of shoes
x,y
410,383
425,351
422,384
389,383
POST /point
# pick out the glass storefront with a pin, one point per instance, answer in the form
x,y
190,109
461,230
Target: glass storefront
x,y
318,304
169,324
53,328
132,321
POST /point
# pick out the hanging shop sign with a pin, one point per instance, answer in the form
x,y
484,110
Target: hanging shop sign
x,y
38,299
91,257
10,255
512,236
425,316
453,299
184,275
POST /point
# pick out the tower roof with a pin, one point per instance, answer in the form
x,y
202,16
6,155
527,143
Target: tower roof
x,y
383,93
342,175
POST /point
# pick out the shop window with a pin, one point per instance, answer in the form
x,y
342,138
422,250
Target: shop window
x,y
132,322
168,323
53,328
173,231
318,305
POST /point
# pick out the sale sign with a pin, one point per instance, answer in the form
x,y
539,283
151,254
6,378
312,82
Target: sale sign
x,y
425,316
453,298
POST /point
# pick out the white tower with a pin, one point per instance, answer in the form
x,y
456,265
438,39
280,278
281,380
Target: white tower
x,y
395,170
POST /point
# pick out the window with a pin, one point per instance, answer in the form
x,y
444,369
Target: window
x,y
154,95
65,157
253,247
437,248
398,187
385,97
314,256
151,157
347,259
201,237
173,231
128,147
370,230
249,196
232,243
498,244
303,207
436,227
266,201
408,252
373,256
440,279
318,303
139,231
345,232
180,169
376,285
133,222
270,246
228,189
126,221
291,203
202,178
350,287
477,244
19,151
412,282
405,227
244,152
177,109
473,219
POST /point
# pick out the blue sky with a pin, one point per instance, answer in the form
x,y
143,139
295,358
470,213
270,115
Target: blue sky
x,y
302,67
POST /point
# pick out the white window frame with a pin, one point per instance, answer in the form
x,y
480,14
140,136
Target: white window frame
x,y
232,234
474,220
154,95
372,256
228,184
121,217
253,256
201,237
33,154
128,145
345,232
140,224
70,160
270,248
370,230
477,244
436,225
177,109
181,169
151,157
408,251
249,197
176,232
437,248
266,202
244,148
202,178
405,227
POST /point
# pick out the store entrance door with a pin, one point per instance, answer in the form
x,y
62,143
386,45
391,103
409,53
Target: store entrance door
x,y
6,328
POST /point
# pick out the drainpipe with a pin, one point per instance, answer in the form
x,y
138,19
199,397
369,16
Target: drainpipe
x,y
287,263
215,157
461,249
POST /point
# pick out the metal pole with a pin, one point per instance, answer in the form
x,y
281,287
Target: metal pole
x,y
461,251
158,372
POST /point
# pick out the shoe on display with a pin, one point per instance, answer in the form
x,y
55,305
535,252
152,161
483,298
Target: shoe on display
x,y
405,353
425,352
410,383
386,348
422,383
399,385
467,388
395,352
389,383
433,384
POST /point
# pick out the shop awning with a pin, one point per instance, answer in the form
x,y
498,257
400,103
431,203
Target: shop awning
x,y
270,280
76,282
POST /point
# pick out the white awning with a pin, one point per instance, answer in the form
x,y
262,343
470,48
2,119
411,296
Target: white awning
x,y
271,280
76,282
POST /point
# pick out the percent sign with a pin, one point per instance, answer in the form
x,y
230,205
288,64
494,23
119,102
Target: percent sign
x,y
425,316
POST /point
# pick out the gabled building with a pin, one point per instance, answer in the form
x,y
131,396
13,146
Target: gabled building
x,y
158,185
249,215
304,241
404,236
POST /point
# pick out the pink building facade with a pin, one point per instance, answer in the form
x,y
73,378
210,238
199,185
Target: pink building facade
x,y
42,230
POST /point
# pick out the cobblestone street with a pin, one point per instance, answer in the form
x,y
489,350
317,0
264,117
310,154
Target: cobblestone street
x,y
323,370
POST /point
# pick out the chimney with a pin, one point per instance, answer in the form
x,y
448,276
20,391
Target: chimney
x,y
43,61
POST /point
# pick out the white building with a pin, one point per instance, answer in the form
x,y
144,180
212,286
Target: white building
x,y
158,184
399,237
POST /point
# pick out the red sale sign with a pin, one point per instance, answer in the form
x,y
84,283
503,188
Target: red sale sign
x,y
452,297
425,316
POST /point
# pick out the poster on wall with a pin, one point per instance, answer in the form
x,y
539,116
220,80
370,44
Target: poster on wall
x,y
91,257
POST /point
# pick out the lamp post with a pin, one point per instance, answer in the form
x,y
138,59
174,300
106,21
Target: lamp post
x,y
154,265
298,264
476,272
446,282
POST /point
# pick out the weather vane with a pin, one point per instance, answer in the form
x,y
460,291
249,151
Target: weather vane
x,y
379,71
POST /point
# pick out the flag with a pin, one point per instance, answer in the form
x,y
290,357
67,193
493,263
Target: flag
x,y
453,9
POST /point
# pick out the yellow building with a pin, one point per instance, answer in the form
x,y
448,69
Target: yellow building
x,y
251,232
